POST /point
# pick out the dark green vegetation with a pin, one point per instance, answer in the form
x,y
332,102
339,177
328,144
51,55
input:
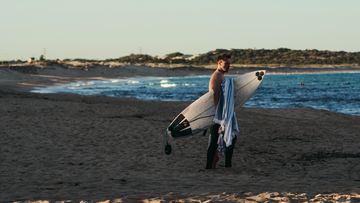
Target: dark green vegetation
x,y
253,56
282,56
240,56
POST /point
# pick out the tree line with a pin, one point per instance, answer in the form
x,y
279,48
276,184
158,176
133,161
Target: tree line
x,y
241,56
253,56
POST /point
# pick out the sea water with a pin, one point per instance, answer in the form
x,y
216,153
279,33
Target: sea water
x,y
337,92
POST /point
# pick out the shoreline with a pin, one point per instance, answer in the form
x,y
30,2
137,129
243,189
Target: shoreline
x,y
78,65
24,76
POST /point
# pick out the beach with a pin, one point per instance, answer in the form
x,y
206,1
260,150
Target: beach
x,y
59,147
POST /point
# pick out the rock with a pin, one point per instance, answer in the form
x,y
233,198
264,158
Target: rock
x,y
262,197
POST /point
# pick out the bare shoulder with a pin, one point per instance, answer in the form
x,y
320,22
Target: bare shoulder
x,y
216,76
215,80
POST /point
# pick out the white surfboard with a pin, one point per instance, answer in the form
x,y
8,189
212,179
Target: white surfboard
x,y
199,115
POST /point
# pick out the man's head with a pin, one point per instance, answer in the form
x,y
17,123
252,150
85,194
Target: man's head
x,y
223,62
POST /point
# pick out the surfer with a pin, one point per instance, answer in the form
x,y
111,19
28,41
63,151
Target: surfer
x,y
223,65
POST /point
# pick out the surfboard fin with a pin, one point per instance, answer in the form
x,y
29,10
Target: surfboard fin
x,y
205,131
182,133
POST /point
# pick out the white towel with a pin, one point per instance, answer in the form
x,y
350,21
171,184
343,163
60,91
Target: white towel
x,y
225,114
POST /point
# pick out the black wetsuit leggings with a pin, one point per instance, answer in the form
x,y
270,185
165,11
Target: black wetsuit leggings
x,y
212,148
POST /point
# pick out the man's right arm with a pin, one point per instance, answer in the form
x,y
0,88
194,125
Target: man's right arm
x,y
215,85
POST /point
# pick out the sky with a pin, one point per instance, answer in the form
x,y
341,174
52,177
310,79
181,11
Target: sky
x,y
95,29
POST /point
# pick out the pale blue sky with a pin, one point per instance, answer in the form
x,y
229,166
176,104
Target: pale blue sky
x,y
98,29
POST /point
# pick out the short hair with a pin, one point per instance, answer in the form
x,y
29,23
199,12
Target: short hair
x,y
223,57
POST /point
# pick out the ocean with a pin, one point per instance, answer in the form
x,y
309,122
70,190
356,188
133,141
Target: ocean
x,y
337,92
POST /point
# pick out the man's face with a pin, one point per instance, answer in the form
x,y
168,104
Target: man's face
x,y
224,65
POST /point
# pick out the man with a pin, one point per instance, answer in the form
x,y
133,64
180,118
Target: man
x,y
223,65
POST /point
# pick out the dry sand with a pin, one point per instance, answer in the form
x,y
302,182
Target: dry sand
x,y
70,147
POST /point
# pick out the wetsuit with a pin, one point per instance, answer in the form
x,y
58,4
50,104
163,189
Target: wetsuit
x,y
213,145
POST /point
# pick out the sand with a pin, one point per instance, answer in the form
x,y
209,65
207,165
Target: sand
x,y
67,147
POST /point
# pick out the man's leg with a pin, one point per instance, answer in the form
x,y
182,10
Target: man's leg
x,y
228,154
212,148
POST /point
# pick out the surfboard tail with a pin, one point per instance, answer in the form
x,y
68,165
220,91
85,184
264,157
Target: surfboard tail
x,y
180,127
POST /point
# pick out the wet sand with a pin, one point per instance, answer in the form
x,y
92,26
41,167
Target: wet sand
x,y
71,147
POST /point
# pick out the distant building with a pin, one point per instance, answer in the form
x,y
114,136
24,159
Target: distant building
x,y
193,56
31,60
184,57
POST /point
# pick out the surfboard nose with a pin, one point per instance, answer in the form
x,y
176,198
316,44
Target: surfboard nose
x,y
260,74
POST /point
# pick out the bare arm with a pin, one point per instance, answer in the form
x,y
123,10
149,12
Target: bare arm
x,y
215,86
